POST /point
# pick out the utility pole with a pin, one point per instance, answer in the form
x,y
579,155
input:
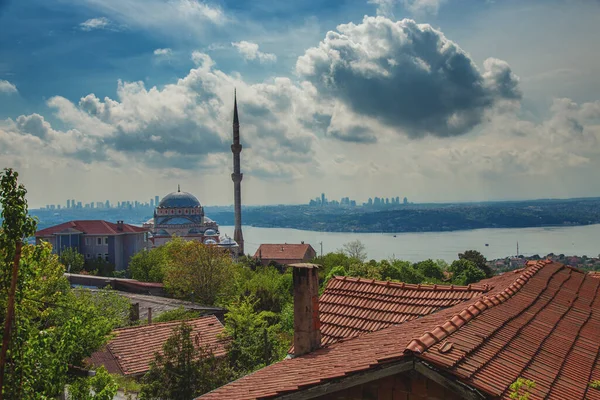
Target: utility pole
x,y
321,243
517,248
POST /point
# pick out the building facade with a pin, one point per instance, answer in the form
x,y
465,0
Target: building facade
x,y
284,254
114,243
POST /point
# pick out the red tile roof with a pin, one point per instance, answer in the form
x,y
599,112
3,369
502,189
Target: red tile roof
x,y
352,306
541,324
282,251
132,349
90,227
594,274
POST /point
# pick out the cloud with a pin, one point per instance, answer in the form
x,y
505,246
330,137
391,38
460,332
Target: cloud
x,y
250,51
176,18
7,87
407,76
185,125
163,52
96,24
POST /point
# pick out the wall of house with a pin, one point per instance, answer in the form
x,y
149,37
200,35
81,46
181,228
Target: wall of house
x,y
92,248
406,386
132,244
68,240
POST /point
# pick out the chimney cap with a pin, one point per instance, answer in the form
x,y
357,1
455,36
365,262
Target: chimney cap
x,y
304,265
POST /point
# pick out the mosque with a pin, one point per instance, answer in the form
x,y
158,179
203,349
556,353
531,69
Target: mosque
x,y
181,214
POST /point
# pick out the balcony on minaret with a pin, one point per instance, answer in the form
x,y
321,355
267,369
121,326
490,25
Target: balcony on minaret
x,y
236,148
237,178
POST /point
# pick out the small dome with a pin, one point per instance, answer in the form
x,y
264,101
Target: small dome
x,y
179,200
210,232
210,241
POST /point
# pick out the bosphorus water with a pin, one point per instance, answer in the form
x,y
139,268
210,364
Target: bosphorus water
x,y
571,240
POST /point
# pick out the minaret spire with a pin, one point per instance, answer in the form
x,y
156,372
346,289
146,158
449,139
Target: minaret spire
x,y
236,149
178,188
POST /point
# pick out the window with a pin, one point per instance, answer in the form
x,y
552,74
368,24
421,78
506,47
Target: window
x,y
145,236
106,240
106,256
99,255
87,241
99,241
88,256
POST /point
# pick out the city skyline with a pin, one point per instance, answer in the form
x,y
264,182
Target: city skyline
x,y
450,101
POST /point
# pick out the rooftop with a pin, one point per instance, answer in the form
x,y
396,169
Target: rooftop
x,y
353,306
132,349
282,251
540,323
90,227
179,199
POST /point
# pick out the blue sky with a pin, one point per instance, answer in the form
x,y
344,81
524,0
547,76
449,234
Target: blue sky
x,y
474,100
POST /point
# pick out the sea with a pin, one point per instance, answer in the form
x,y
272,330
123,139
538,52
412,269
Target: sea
x,y
492,243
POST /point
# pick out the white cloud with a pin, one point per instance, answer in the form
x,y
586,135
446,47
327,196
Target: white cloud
x,y
7,87
95,24
163,52
250,51
431,87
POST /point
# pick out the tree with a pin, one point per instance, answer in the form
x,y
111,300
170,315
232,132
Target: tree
x,y
178,314
16,226
149,266
519,389
184,370
355,249
465,272
71,259
55,326
101,386
99,266
429,269
255,338
197,271
479,260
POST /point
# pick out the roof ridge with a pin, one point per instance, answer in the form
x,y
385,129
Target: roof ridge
x,y
418,286
454,323
165,323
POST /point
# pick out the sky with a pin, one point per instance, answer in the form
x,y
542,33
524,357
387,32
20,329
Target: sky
x,y
435,100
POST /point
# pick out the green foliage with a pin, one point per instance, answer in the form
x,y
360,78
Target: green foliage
x,y
178,314
102,386
184,370
99,266
465,272
72,260
196,271
149,266
255,338
269,287
55,326
429,269
595,384
519,389
478,259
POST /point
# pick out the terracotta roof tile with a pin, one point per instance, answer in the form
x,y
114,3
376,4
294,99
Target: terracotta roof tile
x,y
282,251
352,306
90,227
132,349
541,324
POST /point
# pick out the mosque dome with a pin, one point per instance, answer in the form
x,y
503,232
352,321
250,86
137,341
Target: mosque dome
x,y
179,199
210,232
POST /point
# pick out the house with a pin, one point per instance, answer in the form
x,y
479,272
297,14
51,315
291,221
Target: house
x,y
285,254
132,349
540,323
115,243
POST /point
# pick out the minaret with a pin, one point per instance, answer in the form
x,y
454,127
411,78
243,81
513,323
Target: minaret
x,y
236,149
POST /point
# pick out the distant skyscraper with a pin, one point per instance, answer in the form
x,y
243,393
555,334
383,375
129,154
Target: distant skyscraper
x,y
156,198
79,204
107,204
152,203
323,202
68,203
397,199
405,201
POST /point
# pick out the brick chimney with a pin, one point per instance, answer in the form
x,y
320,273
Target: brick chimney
x,y
120,226
307,333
